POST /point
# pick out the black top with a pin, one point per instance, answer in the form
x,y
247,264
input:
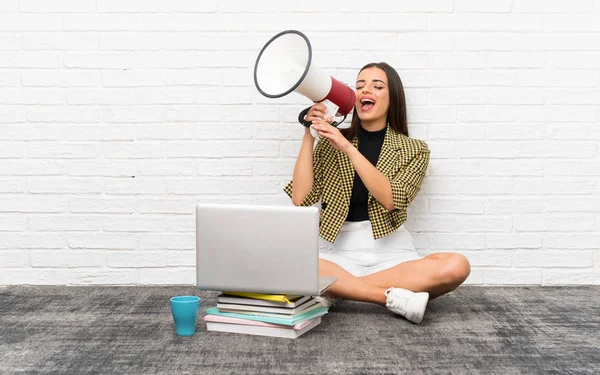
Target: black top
x,y
369,145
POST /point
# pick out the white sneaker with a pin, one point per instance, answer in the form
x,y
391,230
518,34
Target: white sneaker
x,y
407,303
326,301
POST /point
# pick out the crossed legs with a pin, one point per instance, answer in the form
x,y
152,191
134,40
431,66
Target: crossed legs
x,y
436,274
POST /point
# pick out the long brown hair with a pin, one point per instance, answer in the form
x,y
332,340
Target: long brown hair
x,y
396,116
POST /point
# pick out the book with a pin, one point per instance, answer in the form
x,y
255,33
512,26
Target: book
x,y
224,298
268,309
225,319
314,306
266,297
285,321
290,332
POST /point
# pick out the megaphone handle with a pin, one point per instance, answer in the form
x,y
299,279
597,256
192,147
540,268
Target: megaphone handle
x,y
331,108
314,133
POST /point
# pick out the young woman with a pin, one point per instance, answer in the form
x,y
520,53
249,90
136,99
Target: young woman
x,y
365,177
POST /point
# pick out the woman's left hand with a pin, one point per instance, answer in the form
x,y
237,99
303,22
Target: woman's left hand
x,y
333,135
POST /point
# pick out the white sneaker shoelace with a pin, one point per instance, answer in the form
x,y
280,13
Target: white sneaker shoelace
x,y
397,301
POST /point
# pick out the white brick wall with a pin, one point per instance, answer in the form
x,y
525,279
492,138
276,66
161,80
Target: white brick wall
x,y
116,117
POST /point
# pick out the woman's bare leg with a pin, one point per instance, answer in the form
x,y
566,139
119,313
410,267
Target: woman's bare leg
x,y
436,274
349,286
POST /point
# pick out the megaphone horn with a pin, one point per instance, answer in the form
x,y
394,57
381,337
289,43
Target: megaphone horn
x,y
284,65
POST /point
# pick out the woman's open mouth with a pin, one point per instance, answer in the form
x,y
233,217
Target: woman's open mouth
x,y
366,104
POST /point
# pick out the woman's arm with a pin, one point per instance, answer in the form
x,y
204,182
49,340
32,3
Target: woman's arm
x,y
406,184
403,187
304,189
375,182
394,194
303,177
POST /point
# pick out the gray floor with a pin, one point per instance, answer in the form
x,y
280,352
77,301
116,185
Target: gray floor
x,y
474,330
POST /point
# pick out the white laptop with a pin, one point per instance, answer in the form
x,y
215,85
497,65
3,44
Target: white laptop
x,y
261,249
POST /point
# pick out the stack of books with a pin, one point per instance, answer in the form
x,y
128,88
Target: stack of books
x,y
277,315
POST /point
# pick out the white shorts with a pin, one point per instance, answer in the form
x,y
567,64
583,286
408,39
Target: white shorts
x,y
357,252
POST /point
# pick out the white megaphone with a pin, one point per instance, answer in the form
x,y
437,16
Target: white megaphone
x,y
284,65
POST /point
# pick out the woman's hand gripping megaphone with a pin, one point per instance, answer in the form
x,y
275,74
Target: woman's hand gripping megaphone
x,y
323,111
320,123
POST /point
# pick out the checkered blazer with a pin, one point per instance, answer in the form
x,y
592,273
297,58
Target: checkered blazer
x,y
402,160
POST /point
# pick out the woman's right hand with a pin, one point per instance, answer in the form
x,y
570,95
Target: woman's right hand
x,y
318,112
